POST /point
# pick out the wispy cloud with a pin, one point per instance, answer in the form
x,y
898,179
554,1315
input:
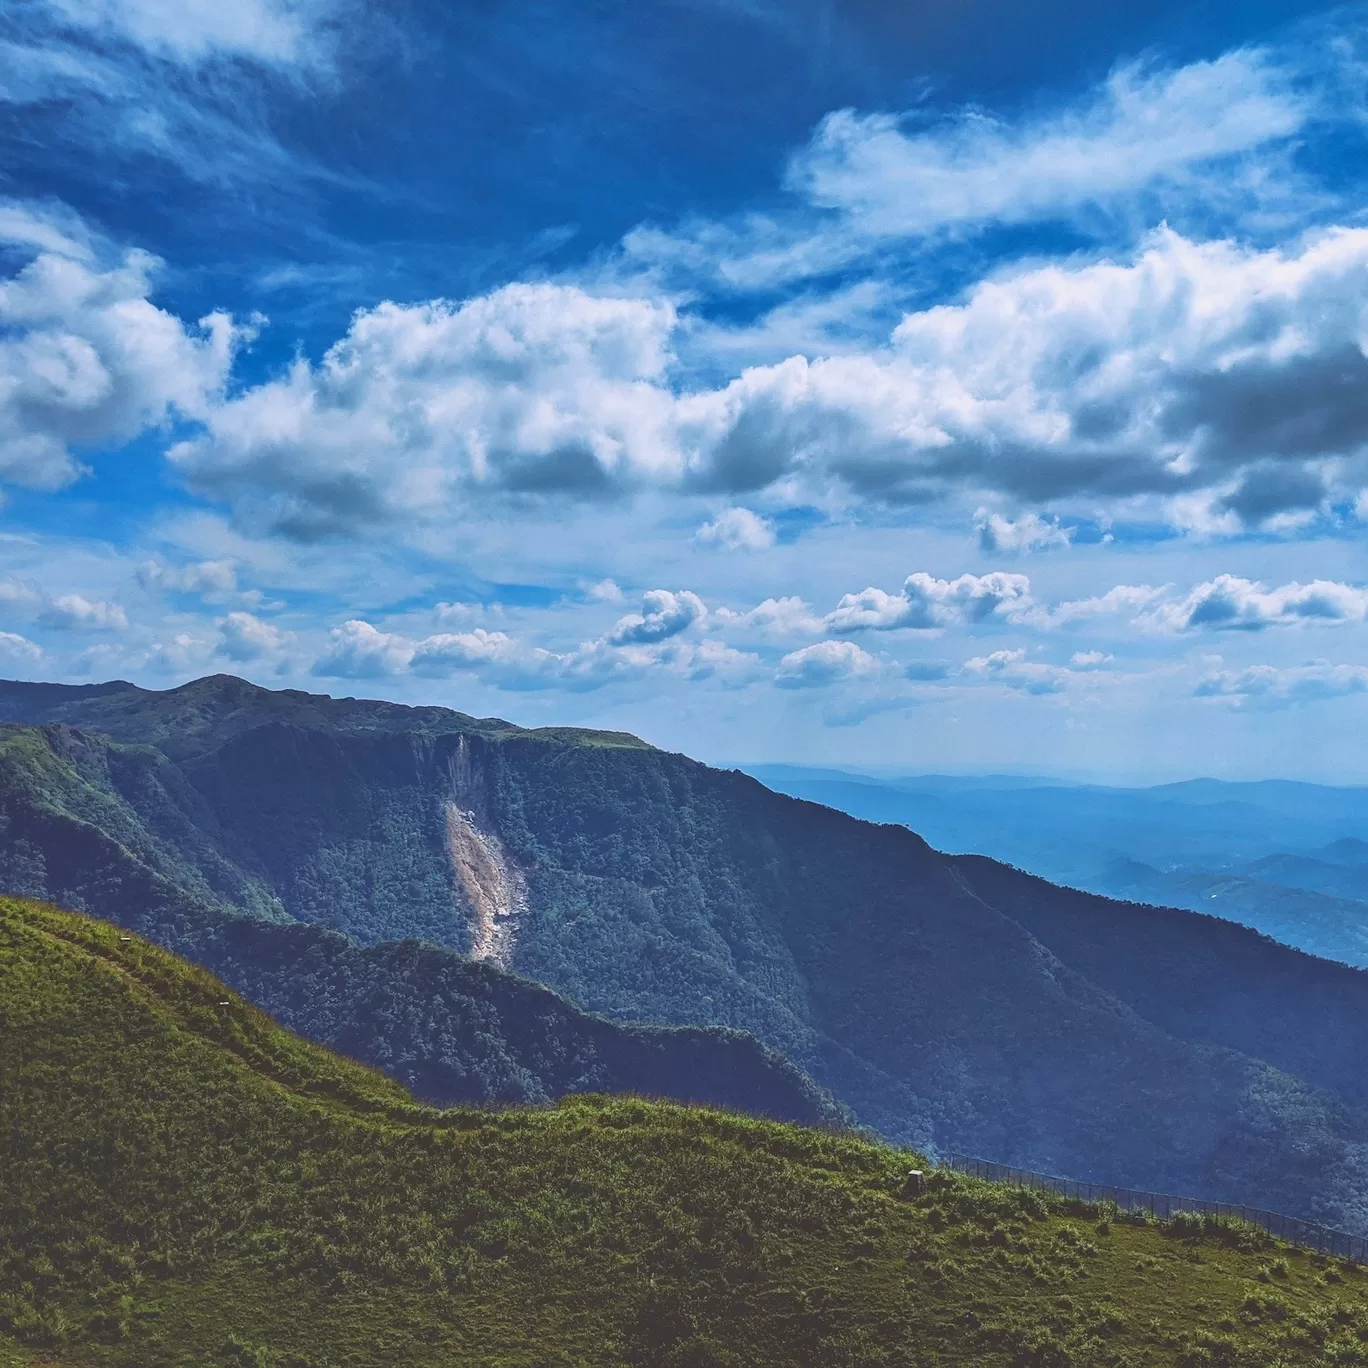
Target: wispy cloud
x,y
1147,143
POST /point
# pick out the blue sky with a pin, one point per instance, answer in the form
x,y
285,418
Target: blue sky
x,y
955,387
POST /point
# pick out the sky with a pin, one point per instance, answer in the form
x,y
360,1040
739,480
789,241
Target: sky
x,y
973,387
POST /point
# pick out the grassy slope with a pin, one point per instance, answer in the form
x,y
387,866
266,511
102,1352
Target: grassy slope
x,y
186,1183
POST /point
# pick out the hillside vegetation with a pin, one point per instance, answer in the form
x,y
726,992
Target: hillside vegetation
x,y
188,1184
1282,857
948,1002
449,1029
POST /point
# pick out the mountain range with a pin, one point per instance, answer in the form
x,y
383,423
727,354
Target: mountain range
x,y
343,860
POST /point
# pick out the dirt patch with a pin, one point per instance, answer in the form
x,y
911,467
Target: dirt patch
x,y
494,888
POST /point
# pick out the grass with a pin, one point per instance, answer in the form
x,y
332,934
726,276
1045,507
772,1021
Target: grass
x,y
184,1183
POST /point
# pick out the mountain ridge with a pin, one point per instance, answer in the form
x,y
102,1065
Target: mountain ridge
x,y
910,985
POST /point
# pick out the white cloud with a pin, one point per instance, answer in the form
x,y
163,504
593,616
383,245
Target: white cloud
x,y
1196,368
710,658
1147,139
889,177
360,651
1016,672
202,577
18,594
775,617
927,602
244,637
190,30
1269,686
605,591
183,654
1030,532
1120,600
19,648
1213,385
44,228
1089,660
638,645
663,614
534,389
87,361
492,654
738,529
450,613
1229,603
824,663
74,612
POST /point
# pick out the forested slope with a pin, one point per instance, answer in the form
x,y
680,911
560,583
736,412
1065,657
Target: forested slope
x,y
651,888
449,1029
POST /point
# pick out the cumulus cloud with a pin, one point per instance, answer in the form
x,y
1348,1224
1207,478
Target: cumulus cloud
x,y
181,654
1229,378
737,529
494,654
824,663
1012,669
663,614
639,644
927,602
74,612
605,591
244,637
360,651
534,389
87,360
450,613
1229,603
1030,532
1218,386
601,661
16,593
1269,686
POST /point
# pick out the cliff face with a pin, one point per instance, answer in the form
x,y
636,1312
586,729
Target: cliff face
x,y
945,1001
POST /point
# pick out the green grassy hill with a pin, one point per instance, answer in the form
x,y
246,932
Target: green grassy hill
x,y
185,1183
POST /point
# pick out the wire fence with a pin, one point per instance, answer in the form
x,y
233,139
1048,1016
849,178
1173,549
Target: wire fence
x,y
1163,1206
